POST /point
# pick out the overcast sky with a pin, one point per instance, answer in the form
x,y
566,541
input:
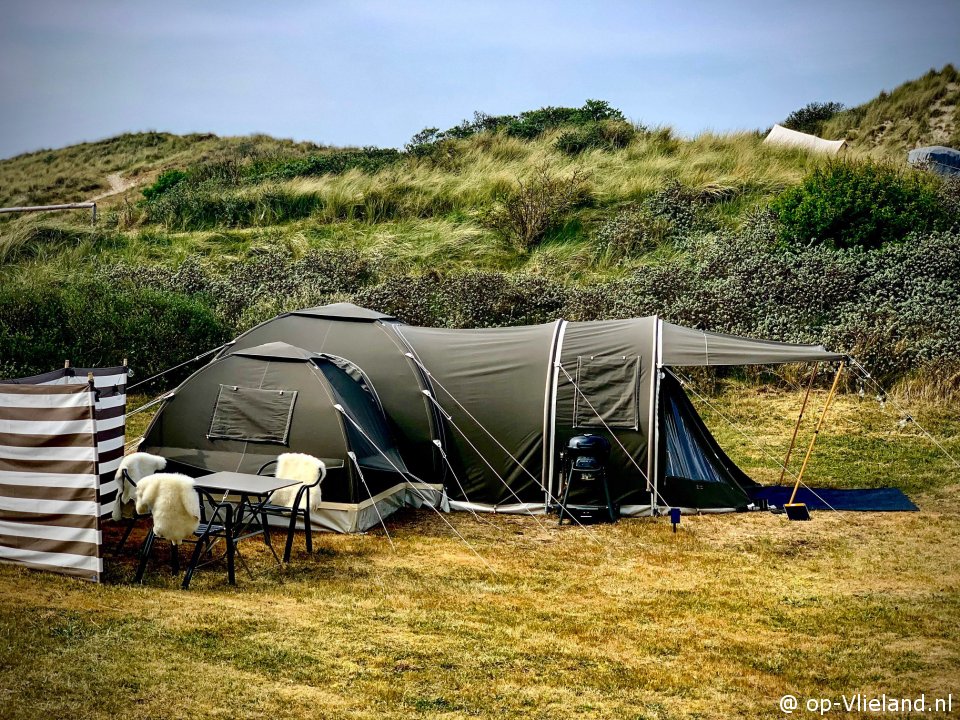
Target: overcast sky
x,y
374,72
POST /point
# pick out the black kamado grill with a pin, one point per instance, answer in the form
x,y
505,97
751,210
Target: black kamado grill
x,y
584,461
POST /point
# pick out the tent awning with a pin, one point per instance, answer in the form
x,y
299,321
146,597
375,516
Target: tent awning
x,y
683,346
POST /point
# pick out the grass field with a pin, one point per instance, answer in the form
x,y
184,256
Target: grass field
x,y
627,621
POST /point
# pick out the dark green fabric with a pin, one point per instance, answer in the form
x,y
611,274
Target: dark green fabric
x,y
499,375
687,347
252,414
609,398
179,430
375,348
695,494
626,341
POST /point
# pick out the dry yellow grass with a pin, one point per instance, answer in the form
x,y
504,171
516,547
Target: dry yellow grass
x,y
717,621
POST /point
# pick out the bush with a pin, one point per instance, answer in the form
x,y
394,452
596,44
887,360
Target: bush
x,y
265,279
187,207
632,231
608,135
525,215
848,204
163,183
527,125
369,160
895,308
94,323
811,118
678,204
670,214
473,299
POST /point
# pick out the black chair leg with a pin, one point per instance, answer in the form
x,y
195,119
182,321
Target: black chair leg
x,y
231,574
266,528
291,531
126,536
307,528
194,559
175,558
144,556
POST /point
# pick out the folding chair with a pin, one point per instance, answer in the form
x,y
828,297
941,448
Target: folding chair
x,y
297,510
218,526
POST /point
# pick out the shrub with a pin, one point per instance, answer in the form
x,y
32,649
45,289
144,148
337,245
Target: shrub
x,y
608,135
949,196
473,299
678,204
527,125
413,299
525,215
163,183
94,322
632,231
810,118
266,278
369,160
422,143
848,204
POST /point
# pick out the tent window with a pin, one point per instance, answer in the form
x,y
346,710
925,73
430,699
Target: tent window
x,y
610,385
252,415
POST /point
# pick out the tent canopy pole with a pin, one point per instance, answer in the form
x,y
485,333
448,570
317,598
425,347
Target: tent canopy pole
x,y
796,428
816,432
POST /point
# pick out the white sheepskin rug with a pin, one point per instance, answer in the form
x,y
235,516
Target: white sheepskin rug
x,y
303,468
138,465
173,502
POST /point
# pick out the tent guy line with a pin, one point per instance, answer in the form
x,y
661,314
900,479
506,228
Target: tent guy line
x,y
550,495
480,425
456,479
353,456
867,376
486,462
413,486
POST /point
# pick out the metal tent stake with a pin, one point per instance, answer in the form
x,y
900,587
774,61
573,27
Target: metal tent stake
x,y
799,511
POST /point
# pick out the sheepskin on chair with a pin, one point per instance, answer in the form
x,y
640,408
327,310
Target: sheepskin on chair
x,y
138,465
303,468
173,502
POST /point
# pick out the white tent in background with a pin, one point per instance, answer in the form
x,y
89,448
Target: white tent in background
x,y
792,138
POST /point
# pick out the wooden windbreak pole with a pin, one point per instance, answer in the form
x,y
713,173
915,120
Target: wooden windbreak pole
x,y
816,432
796,428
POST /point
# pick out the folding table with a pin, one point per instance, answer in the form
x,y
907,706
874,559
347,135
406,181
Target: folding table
x,y
245,520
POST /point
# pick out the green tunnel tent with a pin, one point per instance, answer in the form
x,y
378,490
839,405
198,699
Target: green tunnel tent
x,y
484,413
242,410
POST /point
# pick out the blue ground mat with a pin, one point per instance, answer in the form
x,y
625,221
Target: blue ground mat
x,y
869,500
